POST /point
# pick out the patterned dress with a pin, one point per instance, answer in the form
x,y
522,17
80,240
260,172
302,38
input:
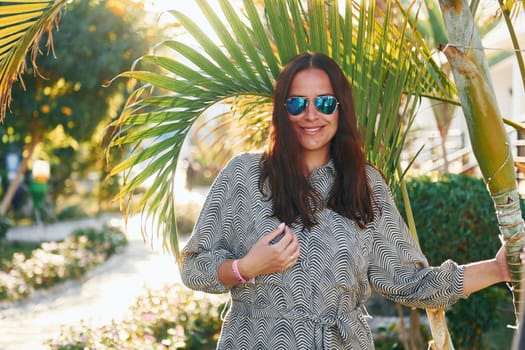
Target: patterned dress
x,y
318,302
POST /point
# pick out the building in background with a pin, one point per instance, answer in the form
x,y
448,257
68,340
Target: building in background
x,y
508,86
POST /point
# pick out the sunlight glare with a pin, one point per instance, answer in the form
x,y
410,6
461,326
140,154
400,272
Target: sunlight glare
x,y
160,11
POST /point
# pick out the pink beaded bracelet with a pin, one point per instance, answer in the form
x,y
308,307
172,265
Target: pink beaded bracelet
x,y
236,272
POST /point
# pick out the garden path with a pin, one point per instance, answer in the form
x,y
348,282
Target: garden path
x,y
103,294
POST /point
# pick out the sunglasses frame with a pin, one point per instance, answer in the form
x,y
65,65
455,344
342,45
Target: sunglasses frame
x,y
307,100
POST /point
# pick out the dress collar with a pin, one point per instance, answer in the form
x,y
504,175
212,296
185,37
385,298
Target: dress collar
x,y
327,169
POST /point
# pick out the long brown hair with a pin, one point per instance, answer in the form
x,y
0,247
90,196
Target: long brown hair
x,y
282,179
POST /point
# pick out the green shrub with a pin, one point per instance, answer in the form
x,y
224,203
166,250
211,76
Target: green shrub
x,y
71,212
106,240
387,338
5,224
455,219
172,317
53,262
10,248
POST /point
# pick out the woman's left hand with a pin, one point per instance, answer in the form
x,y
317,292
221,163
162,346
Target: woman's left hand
x,y
501,260
481,274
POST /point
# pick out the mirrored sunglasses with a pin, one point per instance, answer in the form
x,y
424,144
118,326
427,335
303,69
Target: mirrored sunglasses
x,y
325,104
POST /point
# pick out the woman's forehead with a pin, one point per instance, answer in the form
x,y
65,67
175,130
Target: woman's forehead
x,y
311,82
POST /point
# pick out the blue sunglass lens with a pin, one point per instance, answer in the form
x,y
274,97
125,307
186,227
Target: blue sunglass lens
x,y
326,104
296,105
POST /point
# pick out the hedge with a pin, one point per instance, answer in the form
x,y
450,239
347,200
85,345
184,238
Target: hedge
x,y
455,219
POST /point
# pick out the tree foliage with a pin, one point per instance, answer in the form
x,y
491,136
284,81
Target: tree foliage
x,y
22,25
92,45
64,101
240,72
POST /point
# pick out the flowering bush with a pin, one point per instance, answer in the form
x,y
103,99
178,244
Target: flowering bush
x,y
53,262
171,317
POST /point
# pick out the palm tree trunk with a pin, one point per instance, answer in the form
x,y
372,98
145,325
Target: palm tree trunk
x,y
416,339
443,114
486,129
438,326
402,327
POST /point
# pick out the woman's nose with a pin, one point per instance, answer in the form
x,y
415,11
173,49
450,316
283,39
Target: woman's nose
x,y
310,111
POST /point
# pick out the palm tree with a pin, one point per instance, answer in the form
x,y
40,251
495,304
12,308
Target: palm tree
x,y
433,29
486,129
387,80
23,24
240,71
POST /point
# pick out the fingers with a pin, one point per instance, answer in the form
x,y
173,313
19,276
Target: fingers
x,y
284,240
503,253
290,241
276,235
292,250
283,236
295,256
276,251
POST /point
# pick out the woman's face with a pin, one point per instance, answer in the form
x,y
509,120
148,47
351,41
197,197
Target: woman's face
x,y
313,128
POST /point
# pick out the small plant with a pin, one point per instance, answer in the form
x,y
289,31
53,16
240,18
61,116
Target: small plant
x,y
171,317
5,224
387,338
72,212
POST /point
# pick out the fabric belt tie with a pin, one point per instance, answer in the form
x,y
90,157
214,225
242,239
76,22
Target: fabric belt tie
x,y
326,327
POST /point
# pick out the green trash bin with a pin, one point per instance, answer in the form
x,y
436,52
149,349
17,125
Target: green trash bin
x,y
38,192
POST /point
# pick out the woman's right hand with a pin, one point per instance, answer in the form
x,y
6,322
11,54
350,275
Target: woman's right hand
x,y
271,254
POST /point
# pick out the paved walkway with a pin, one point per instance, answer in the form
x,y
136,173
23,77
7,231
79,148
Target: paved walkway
x,y
103,294
55,231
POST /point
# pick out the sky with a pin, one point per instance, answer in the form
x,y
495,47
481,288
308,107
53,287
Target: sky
x,y
159,10
188,7
185,5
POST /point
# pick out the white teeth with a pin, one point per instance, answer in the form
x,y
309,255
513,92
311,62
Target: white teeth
x,y
311,130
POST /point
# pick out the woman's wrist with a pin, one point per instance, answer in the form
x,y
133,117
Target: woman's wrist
x,y
240,273
481,274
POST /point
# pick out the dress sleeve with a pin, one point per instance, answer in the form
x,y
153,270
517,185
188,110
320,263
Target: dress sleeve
x,y
208,245
398,269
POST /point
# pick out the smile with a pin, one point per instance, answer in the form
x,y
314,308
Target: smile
x,y
312,130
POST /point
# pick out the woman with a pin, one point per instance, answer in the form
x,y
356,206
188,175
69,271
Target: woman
x,y
301,234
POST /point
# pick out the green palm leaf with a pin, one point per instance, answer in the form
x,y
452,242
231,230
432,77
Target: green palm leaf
x,y
240,70
23,24
388,64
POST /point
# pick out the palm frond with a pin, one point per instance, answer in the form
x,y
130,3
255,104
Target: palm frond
x,y
386,66
23,24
